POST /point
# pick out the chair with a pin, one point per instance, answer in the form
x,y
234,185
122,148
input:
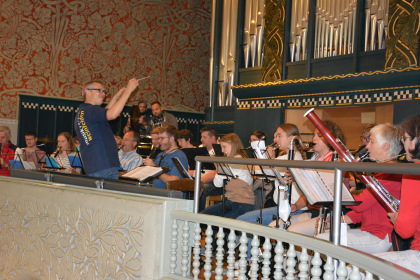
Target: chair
x,y
212,199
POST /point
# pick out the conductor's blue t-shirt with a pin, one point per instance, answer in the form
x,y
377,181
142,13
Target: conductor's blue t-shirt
x,y
97,143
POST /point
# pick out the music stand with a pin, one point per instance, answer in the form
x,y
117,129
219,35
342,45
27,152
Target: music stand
x,y
181,169
224,170
52,163
191,153
218,150
76,161
19,163
268,173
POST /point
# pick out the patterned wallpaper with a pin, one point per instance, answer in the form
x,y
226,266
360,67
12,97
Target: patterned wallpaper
x,y
51,48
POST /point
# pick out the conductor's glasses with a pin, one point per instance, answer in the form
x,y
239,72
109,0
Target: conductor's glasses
x,y
99,89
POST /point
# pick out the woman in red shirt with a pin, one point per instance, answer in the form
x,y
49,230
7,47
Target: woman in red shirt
x,y
407,220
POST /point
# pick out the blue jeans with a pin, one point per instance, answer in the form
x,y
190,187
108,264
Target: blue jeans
x,y
110,173
232,209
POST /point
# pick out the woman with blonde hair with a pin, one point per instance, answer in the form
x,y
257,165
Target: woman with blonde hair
x,y
65,148
239,197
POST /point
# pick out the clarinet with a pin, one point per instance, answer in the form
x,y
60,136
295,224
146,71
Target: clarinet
x,y
389,202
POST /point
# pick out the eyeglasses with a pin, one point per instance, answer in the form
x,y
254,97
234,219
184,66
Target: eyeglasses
x,y
161,138
98,89
364,138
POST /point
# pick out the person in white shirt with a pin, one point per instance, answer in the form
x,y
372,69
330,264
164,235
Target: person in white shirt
x,y
129,158
239,197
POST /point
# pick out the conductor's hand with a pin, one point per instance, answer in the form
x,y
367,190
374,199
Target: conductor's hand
x,y
148,162
132,85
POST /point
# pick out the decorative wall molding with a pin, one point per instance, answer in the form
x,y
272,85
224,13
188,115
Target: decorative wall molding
x,y
331,99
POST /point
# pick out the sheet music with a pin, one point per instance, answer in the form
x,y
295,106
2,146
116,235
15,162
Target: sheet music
x,y
318,185
143,172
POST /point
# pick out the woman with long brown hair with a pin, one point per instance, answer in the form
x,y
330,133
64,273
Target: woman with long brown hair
x,y
65,148
239,197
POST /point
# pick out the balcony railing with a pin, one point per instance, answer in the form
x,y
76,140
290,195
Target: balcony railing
x,y
285,255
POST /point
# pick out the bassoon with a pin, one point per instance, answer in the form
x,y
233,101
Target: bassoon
x,y
389,202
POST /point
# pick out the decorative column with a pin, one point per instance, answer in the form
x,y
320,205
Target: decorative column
x,y
402,43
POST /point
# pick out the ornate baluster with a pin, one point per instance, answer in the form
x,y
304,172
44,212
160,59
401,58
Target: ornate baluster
x,y
278,260
255,244
342,271
174,246
231,254
243,249
266,260
329,269
185,260
316,270
369,276
219,254
291,262
304,264
355,274
208,252
196,262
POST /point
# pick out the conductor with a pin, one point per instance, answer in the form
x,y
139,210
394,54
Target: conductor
x,y
97,145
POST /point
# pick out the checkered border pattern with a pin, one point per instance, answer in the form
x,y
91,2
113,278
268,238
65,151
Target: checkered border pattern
x,y
324,101
258,104
194,121
28,105
181,120
244,105
294,103
274,103
417,93
343,100
126,114
382,97
362,98
48,107
65,109
309,102
403,94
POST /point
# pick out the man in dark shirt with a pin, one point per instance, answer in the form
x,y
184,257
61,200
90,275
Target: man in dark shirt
x,y
161,118
97,145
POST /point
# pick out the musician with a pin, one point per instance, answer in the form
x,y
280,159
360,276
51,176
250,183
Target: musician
x,y
154,134
138,120
406,221
374,235
7,150
97,145
127,155
305,223
167,142
282,138
239,197
161,118
257,136
364,138
184,139
65,148
208,138
31,152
